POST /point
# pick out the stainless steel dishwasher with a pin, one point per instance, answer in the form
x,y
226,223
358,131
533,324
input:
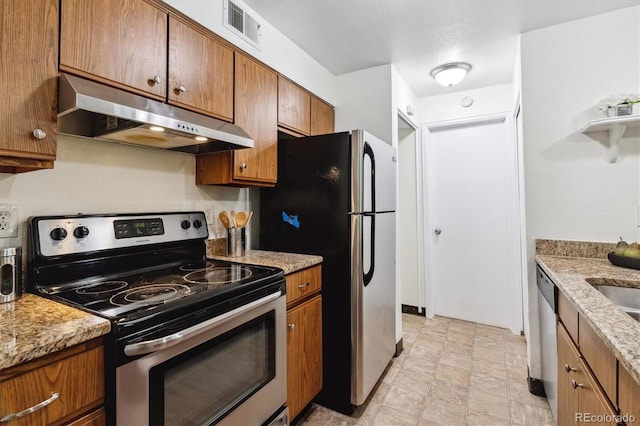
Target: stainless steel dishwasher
x,y
547,308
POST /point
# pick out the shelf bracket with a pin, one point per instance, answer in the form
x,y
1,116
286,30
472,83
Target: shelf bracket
x,y
615,134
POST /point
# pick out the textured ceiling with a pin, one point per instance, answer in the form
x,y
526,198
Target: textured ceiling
x,y
418,35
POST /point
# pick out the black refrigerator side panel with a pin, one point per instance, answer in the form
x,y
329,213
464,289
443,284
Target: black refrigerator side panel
x,y
307,212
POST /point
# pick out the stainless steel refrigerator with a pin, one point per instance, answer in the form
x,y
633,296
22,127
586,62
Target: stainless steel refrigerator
x,y
336,197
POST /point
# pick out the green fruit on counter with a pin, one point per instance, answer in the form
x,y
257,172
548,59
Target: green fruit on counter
x,y
621,247
633,251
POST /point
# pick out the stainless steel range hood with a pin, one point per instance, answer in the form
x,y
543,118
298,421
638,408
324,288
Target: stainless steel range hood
x,y
86,108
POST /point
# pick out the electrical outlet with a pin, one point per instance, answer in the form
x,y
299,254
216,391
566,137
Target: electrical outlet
x,y
8,220
208,213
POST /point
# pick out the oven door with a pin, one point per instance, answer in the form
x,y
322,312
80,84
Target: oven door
x,y
230,369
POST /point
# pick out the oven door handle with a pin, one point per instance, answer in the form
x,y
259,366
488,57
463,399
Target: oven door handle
x,y
154,345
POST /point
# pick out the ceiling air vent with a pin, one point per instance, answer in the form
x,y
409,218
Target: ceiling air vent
x,y
241,23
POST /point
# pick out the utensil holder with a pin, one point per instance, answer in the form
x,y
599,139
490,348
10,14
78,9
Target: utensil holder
x,y
236,242
10,274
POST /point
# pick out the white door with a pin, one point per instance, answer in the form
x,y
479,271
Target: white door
x,y
472,203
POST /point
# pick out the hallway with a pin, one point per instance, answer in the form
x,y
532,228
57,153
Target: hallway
x,y
451,372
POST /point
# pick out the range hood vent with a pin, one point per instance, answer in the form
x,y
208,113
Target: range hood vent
x,y
90,109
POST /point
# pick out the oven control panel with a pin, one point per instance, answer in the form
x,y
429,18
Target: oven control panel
x,y
84,233
134,228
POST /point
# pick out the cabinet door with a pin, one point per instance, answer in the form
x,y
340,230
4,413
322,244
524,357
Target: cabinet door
x,y
322,117
78,380
200,72
294,107
628,395
304,354
256,111
594,405
120,42
29,52
600,359
567,371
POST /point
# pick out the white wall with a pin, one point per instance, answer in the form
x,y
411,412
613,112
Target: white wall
x,y
407,235
277,51
364,102
92,176
487,100
572,191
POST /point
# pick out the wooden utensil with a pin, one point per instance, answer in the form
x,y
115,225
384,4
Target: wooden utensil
x,y
241,219
233,219
224,218
248,218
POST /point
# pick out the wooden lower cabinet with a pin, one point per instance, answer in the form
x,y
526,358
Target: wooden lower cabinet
x,y
628,396
95,418
75,374
581,399
304,354
568,366
304,337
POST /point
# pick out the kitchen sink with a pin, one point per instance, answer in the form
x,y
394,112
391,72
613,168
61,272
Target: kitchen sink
x,y
627,298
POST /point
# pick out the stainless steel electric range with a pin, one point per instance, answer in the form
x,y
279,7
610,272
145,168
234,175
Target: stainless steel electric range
x,y
193,341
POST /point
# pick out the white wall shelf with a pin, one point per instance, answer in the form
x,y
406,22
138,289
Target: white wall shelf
x,y
615,126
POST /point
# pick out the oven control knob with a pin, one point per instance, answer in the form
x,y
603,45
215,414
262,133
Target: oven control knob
x,y
197,224
81,232
58,234
185,224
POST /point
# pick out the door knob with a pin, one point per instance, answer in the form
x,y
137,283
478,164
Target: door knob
x,y
437,231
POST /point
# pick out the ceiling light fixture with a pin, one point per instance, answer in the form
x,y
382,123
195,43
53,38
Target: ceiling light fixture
x,y
450,74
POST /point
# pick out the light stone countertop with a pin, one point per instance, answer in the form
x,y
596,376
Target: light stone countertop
x,y
618,330
288,262
33,326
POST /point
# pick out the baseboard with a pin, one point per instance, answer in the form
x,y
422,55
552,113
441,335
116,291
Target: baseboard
x,y
536,386
399,348
413,310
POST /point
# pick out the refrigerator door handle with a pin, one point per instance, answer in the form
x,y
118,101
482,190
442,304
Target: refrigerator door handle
x,y
368,276
368,151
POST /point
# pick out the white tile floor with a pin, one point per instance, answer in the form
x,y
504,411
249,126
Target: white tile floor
x,y
451,372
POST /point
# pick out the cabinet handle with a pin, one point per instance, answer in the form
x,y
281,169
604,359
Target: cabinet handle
x,y
575,384
156,79
305,285
568,368
292,326
39,134
182,89
243,166
30,410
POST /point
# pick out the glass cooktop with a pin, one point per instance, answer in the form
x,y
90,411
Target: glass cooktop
x,y
146,293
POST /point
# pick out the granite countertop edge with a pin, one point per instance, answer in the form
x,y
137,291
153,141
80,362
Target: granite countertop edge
x,y
32,327
288,262
619,331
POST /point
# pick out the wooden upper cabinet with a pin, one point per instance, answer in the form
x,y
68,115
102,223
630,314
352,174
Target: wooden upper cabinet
x,y
322,117
121,41
200,72
294,107
256,111
29,52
